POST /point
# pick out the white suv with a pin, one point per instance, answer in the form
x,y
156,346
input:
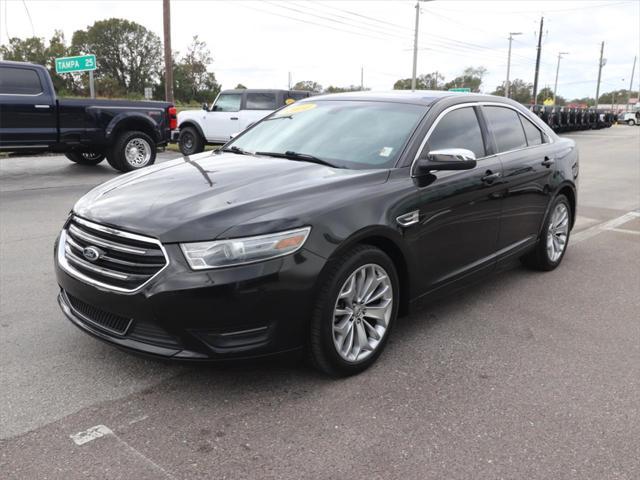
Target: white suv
x,y
231,113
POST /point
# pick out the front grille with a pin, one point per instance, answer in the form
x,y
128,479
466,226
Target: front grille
x,y
120,260
105,320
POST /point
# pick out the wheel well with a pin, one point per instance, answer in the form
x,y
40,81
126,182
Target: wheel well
x,y
397,257
133,124
193,125
567,191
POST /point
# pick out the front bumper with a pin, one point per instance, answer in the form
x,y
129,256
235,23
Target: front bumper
x,y
237,312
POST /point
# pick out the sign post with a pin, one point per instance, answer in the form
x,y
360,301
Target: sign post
x,y
82,63
465,90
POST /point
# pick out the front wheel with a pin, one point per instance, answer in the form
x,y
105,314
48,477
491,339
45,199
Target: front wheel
x,y
554,238
85,158
631,122
132,151
356,308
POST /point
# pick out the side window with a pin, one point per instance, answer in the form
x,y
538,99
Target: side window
x,y
19,81
228,102
458,129
506,127
261,101
533,133
297,95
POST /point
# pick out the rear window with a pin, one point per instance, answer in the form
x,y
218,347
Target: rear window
x,y
19,81
261,101
506,127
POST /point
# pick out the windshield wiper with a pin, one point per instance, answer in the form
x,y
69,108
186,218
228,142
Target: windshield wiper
x,y
234,149
305,157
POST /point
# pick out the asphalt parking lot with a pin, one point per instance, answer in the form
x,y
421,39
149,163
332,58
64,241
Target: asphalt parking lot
x,y
526,376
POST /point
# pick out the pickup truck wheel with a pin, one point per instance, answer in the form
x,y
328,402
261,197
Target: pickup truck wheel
x,y
85,158
132,151
190,141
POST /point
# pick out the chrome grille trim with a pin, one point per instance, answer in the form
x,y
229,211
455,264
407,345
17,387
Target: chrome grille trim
x,y
70,261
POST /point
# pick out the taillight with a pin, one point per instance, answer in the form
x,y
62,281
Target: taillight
x,y
173,117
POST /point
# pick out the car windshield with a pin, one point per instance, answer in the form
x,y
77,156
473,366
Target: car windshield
x,y
348,134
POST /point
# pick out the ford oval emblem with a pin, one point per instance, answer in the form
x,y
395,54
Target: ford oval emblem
x,y
91,253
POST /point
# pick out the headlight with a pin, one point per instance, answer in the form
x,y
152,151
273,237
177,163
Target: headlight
x,y
239,251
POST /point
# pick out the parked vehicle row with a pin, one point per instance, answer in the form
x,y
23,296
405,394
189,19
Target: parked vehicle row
x,y
231,112
315,228
566,119
32,118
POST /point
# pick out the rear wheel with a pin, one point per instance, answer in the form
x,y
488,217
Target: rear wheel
x,y
190,141
631,122
85,158
132,151
355,310
554,238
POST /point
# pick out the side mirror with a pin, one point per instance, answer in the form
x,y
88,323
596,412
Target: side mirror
x,y
205,106
446,159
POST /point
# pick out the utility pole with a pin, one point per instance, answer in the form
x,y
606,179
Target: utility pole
x,y
506,85
289,82
168,61
600,65
415,48
555,86
362,77
535,79
633,70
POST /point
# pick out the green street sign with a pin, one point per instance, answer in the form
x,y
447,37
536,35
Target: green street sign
x,y
465,90
75,64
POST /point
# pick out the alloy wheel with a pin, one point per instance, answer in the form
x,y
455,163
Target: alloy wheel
x,y
557,232
362,312
137,152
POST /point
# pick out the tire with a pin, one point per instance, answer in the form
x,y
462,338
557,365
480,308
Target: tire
x,y
132,150
545,255
631,122
324,339
190,141
85,158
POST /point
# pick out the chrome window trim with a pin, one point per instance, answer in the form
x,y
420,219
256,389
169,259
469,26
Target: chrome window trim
x,y
475,104
24,94
64,264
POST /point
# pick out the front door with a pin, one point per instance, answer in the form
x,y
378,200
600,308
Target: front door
x,y
223,120
459,211
28,114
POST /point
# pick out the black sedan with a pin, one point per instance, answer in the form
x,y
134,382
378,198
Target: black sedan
x,y
315,228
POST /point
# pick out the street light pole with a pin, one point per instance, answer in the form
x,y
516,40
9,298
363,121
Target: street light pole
x,y
507,86
600,65
633,70
555,86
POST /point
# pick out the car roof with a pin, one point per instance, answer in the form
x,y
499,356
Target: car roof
x,y
417,97
260,90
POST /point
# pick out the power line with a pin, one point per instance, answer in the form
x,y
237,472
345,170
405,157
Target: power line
x,y
33,30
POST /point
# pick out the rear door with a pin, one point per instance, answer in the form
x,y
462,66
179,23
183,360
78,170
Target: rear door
x,y
527,159
223,120
459,211
27,109
257,106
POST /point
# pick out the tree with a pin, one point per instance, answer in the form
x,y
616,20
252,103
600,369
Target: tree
x,y
520,91
309,86
350,88
617,96
429,81
547,94
584,101
471,78
240,87
194,65
128,54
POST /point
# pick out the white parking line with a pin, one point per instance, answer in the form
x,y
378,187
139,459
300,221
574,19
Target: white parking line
x,y
603,227
99,431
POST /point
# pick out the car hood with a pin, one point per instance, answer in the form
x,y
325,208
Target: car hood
x,y
200,197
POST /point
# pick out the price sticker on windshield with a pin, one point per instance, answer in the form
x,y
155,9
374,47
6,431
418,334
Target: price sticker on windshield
x,y
295,108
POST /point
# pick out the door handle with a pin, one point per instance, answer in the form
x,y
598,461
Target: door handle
x,y
42,106
490,177
548,162
234,118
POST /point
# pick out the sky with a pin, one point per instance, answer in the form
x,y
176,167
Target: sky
x,y
257,43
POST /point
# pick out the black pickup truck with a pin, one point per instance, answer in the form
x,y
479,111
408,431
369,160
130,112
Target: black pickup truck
x,y
32,118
